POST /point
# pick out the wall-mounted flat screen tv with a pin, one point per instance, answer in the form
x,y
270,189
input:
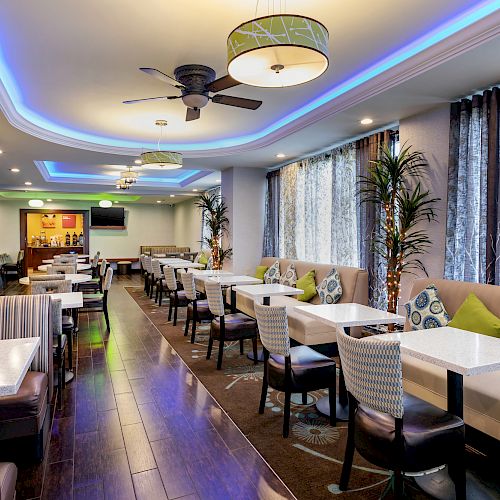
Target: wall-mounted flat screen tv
x,y
114,216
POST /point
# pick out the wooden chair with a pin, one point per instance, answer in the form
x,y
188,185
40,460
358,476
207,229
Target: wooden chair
x,y
177,298
227,327
391,429
98,272
147,274
197,310
155,279
99,301
291,369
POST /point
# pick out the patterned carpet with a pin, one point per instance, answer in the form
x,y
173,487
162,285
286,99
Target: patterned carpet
x,y
310,460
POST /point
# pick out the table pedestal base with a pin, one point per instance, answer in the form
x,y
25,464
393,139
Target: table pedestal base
x,y
323,406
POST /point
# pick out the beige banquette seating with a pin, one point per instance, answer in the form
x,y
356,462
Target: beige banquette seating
x,y
162,249
306,330
428,382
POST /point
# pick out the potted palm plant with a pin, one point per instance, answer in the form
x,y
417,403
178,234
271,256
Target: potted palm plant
x,y
215,217
393,185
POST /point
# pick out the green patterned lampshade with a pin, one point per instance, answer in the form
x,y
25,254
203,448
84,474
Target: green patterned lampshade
x,y
278,51
164,160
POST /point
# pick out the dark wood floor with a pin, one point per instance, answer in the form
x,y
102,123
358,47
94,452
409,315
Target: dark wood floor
x,y
136,423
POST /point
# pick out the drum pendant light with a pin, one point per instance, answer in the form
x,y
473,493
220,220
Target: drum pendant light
x,y
162,160
279,50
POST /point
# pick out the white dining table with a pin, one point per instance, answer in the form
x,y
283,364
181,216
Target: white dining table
x,y
79,267
16,356
346,315
211,272
462,354
263,293
75,278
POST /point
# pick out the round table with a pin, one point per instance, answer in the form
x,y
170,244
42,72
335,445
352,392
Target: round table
x,y
51,261
80,267
80,255
75,278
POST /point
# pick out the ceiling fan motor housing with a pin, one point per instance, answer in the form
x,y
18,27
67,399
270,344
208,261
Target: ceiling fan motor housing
x,y
195,78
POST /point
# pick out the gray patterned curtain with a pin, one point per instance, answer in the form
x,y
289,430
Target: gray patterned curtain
x,y
472,232
271,228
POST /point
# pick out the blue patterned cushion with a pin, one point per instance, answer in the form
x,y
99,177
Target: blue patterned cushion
x,y
272,275
290,276
330,289
426,310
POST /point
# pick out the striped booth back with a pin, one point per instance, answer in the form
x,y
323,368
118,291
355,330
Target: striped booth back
x,y
272,322
372,371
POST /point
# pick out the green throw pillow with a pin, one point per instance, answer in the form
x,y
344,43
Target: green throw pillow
x,y
474,316
203,259
308,284
260,271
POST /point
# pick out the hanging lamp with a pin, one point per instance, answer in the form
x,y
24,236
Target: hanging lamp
x,y
162,160
129,177
278,50
121,184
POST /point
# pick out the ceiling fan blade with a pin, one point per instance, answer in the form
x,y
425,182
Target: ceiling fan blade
x,y
239,102
156,73
133,101
192,114
223,83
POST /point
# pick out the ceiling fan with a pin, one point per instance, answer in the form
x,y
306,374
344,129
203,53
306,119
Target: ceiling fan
x,y
196,82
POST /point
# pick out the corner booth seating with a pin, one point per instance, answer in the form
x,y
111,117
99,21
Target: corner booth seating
x,y
428,382
306,330
153,250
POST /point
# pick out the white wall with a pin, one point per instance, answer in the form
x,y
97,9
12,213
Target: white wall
x,y
429,133
187,224
146,225
244,190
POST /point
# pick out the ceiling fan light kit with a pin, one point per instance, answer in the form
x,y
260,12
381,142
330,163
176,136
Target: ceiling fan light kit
x,y
278,51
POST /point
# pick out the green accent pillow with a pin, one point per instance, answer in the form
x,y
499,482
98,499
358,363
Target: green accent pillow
x,y
474,316
203,259
260,271
308,284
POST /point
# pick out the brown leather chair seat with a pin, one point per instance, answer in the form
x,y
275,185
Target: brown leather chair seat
x,y
310,370
181,297
8,477
29,401
89,298
235,326
202,310
429,434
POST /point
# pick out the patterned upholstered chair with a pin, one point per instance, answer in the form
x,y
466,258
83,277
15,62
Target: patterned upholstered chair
x,y
155,278
227,327
147,275
391,429
51,286
46,277
99,301
197,310
66,259
61,269
26,413
291,369
177,298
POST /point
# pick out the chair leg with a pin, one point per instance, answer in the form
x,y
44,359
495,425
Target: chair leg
x,y
348,457
457,473
220,355
398,485
176,307
186,328
151,286
286,416
255,353
157,290
161,293
210,344
332,399
70,351
106,316
193,331
241,346
170,305
263,395
304,398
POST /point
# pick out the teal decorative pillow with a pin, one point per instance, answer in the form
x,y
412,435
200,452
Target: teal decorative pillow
x,y
426,310
272,275
290,276
330,289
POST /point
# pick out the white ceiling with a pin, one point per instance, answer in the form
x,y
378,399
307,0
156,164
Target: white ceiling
x,y
74,62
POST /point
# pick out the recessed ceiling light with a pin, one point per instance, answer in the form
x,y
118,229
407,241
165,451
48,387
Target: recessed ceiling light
x,y
49,199
15,170
1,152
172,196
158,201
35,203
137,162
280,155
27,183
105,203
194,190
366,121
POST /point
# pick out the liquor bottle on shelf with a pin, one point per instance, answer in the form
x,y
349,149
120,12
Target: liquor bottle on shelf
x,y
80,239
75,239
68,239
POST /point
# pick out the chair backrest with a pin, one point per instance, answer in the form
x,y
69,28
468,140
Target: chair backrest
x,y
156,268
147,264
61,269
65,259
47,277
272,322
159,255
20,256
372,371
95,261
55,286
189,286
214,297
24,316
102,269
108,279
169,274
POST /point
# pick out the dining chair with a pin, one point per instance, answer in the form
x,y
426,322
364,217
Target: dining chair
x,y
197,310
288,369
390,428
99,301
147,276
26,413
61,269
227,327
155,278
46,277
65,259
177,298
13,268
95,284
